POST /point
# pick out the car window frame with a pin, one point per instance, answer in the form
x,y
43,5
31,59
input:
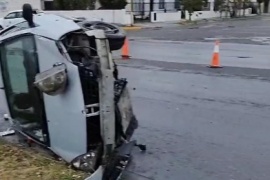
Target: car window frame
x,y
17,14
8,86
6,17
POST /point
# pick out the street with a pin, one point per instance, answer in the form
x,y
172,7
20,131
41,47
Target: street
x,y
253,30
201,123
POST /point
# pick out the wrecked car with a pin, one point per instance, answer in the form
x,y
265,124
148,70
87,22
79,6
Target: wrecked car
x,y
62,91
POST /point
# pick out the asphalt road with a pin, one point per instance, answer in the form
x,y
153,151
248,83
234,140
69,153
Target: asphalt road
x,y
253,30
231,54
243,43
200,123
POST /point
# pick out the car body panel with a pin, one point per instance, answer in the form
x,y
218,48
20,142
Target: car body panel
x,y
45,22
65,117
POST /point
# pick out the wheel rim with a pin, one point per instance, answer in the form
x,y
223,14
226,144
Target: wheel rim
x,y
109,29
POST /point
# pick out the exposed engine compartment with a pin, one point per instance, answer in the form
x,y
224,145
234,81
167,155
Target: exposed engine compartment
x,y
83,53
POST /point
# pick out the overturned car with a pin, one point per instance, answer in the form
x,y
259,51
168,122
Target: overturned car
x,y
62,91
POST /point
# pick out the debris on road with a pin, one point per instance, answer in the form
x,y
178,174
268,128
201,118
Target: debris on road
x,y
7,132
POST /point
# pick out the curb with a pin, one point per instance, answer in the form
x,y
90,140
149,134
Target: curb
x,y
135,28
132,28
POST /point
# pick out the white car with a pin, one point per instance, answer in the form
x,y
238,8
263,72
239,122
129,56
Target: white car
x,y
13,17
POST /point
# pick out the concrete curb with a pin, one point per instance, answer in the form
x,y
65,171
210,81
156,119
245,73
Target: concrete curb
x,y
132,28
136,28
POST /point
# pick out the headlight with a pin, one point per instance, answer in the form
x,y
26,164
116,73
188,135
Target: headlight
x,y
52,81
86,162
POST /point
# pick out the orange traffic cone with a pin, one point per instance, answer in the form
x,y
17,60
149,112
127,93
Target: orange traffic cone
x,y
125,50
215,58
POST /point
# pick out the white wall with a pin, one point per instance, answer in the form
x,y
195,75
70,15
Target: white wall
x,y
165,17
10,5
199,15
110,16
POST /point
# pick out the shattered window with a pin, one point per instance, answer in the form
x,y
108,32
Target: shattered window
x,y
19,68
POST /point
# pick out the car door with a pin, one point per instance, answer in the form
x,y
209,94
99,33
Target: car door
x,y
19,65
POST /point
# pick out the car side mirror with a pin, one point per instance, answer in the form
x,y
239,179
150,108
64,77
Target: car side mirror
x,y
52,81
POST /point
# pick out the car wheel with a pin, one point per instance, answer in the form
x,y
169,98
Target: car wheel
x,y
115,34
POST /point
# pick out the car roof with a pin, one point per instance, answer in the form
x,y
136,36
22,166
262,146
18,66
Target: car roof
x,y
20,10
15,11
47,25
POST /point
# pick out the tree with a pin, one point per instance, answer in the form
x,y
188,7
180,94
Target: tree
x,y
193,5
218,5
113,4
74,4
239,5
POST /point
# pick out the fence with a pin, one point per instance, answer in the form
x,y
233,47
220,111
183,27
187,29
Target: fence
x,y
143,9
236,9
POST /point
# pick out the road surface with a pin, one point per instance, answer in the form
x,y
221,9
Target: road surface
x,y
253,30
231,54
200,123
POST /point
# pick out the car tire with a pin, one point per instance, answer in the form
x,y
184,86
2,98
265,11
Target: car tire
x,y
115,34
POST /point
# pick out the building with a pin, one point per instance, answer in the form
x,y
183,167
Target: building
x,y
143,8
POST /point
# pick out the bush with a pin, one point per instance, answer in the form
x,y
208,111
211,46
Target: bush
x,y
74,4
113,4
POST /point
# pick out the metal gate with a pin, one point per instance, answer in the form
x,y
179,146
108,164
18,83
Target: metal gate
x,y
142,9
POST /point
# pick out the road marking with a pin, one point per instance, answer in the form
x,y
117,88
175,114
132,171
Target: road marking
x,y
132,28
265,40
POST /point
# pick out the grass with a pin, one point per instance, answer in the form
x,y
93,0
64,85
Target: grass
x,y
27,164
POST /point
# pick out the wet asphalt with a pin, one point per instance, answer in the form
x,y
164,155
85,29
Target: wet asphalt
x,y
252,30
200,123
231,54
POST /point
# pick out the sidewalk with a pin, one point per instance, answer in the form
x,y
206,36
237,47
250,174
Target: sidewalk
x,y
158,25
151,25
